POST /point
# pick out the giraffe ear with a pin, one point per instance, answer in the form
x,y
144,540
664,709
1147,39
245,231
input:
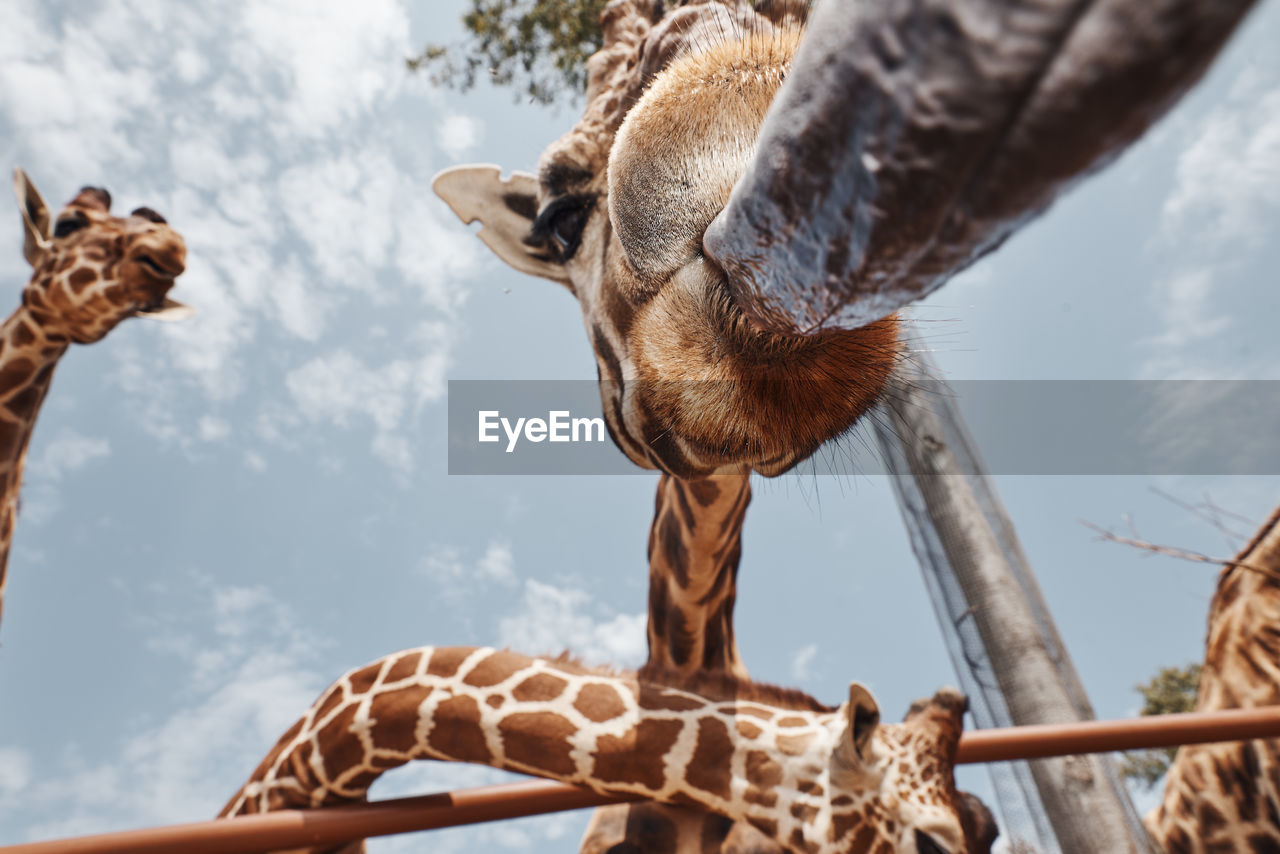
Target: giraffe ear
x,y
506,210
36,222
169,311
862,716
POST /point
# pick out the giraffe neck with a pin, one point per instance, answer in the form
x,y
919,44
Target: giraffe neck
x,y
27,360
1227,796
695,544
617,735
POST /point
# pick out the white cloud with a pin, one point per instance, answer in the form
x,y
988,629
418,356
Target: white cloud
x,y
455,573
15,771
336,58
1185,304
298,201
67,452
1228,178
241,692
1213,227
457,134
213,429
802,661
554,619
497,564
339,388
342,208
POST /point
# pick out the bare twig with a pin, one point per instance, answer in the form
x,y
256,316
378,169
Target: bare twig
x,y
1173,551
1213,513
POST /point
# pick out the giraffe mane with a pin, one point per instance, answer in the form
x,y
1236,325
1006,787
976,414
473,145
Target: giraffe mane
x,y
721,686
715,685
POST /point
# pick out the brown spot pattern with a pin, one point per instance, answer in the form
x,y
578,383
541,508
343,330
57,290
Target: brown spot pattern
x,y
636,757
599,703
329,701
658,700
762,770
494,669
10,436
804,812
80,278
405,666
339,747
364,678
539,687
708,768
445,662
539,740
394,713
456,734
767,826
16,372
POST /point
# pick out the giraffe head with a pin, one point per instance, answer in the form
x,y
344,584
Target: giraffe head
x,y
690,383
909,767
91,270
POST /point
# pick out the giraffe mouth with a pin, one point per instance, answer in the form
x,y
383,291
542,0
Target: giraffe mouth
x,y
158,269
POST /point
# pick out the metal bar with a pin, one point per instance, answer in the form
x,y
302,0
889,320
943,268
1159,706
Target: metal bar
x,y
331,825
1039,741
963,537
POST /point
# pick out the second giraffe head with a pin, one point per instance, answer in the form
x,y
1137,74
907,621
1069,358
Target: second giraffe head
x,y
92,270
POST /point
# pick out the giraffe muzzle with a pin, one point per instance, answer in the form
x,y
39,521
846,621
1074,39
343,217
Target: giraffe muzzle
x,y
160,266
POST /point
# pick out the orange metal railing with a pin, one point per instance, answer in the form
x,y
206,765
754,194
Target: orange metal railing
x,y
333,825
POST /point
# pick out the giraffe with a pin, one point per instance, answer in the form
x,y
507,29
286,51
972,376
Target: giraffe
x,y
90,270
814,778
1226,797
689,384
672,351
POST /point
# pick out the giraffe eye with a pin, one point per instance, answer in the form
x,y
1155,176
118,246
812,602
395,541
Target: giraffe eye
x,y
559,226
69,224
926,844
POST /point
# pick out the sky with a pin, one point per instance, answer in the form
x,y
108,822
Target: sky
x,y
222,516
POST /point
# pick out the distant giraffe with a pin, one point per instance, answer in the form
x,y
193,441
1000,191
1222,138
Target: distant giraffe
x,y
1226,797
91,270
812,777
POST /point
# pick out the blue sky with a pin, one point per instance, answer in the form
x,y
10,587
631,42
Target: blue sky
x,y
223,515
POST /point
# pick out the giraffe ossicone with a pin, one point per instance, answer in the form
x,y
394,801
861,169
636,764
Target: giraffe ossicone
x,y
90,271
812,777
